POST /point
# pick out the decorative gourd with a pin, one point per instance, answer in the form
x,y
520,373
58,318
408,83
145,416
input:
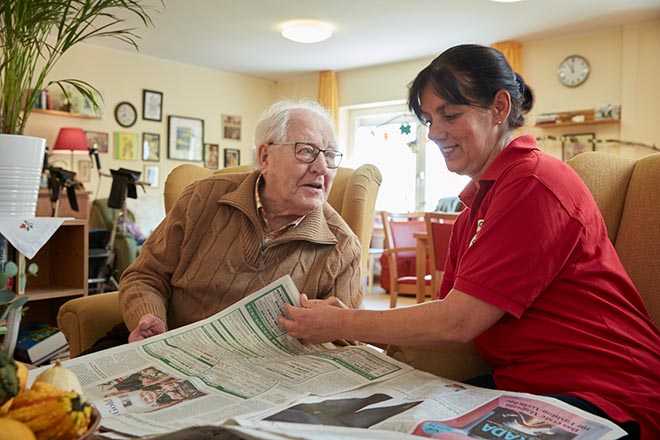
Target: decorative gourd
x,y
60,377
14,430
8,378
22,376
52,413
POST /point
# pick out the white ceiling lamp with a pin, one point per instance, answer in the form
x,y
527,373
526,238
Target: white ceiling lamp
x,y
306,31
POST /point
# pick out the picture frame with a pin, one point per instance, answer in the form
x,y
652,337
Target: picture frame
x,y
185,138
150,174
231,127
151,147
85,170
98,140
232,157
127,146
574,144
152,105
212,156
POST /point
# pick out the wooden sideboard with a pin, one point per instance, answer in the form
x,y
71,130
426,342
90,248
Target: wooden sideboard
x,y
44,208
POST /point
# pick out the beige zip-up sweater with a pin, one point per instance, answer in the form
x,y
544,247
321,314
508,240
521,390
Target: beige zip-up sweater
x,y
209,253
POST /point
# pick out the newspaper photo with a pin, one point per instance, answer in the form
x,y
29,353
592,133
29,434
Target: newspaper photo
x,y
241,370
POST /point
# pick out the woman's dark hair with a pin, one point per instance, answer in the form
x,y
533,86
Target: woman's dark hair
x,y
470,74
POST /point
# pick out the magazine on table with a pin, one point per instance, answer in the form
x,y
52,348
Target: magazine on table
x,y
241,369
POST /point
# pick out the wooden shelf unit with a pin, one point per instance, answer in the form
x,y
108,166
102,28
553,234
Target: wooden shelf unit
x,y
564,119
63,113
63,272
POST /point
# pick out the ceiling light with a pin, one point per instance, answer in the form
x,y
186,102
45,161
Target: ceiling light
x,y
306,31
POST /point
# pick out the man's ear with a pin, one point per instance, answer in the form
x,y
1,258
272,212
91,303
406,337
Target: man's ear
x,y
263,151
502,105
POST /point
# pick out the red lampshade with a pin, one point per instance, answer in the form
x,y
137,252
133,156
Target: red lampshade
x,y
70,139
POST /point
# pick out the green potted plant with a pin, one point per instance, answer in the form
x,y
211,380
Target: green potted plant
x,y
34,34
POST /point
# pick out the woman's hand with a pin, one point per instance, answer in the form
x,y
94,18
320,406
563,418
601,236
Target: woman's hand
x,y
316,320
149,325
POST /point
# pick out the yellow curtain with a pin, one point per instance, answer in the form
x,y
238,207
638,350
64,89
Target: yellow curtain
x,y
328,95
511,51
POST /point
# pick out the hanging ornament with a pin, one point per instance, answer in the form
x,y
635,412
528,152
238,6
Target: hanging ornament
x,y
385,135
405,128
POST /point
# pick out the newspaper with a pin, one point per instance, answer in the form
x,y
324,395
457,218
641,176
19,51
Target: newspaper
x,y
241,370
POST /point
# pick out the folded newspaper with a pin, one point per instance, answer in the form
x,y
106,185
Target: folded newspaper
x,y
240,370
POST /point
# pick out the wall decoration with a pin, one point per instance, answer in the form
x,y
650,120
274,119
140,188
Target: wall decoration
x,y
151,147
231,127
212,156
232,157
151,175
574,144
152,105
84,170
97,139
185,140
126,146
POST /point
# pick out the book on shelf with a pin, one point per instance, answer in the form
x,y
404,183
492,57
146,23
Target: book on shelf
x,y
39,342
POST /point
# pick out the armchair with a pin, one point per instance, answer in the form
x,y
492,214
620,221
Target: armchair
x,y
626,192
84,320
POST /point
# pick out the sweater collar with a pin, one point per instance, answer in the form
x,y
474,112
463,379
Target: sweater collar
x,y
314,227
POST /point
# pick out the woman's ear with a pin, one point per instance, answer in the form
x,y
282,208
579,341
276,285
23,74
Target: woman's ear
x,y
502,106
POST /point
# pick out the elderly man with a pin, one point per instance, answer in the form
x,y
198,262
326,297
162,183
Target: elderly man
x,y
231,234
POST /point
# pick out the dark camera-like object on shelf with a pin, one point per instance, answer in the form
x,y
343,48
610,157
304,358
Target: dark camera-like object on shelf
x,y
61,178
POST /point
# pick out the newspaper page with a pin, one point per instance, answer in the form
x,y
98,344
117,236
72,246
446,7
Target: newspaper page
x,y
424,405
237,361
240,370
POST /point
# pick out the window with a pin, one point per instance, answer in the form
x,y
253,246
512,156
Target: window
x,y
414,173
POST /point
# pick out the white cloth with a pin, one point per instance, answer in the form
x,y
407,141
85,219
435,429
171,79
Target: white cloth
x,y
29,235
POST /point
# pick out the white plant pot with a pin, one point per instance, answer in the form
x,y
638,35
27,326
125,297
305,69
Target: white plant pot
x,y
21,163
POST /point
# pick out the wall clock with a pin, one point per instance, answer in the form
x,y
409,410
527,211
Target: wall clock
x,y
125,114
573,70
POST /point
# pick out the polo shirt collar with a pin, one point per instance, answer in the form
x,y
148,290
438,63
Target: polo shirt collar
x,y
518,147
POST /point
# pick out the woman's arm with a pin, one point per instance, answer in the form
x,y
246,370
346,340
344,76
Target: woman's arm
x,y
457,318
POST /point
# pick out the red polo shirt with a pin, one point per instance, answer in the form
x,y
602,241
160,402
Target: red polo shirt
x,y
532,242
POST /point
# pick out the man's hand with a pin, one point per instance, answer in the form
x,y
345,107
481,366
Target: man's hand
x,y
149,325
315,321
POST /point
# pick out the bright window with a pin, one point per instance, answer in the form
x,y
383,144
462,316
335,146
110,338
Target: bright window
x,y
414,173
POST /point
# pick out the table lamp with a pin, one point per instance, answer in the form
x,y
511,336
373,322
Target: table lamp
x,y
70,139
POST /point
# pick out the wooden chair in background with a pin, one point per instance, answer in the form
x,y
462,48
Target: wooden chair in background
x,y
400,242
438,230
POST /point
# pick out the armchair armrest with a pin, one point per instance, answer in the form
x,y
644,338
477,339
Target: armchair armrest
x,y
85,320
450,360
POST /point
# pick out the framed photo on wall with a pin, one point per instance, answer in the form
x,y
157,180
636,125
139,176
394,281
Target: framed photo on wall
x,y
84,170
152,105
232,157
185,138
212,156
126,146
231,127
151,147
98,140
574,144
151,175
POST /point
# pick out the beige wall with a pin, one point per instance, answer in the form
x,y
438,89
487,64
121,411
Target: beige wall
x,y
187,91
624,62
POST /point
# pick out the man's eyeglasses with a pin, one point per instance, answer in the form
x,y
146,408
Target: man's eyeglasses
x,y
307,153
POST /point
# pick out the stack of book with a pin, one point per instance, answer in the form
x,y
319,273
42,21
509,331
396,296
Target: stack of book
x,y
38,343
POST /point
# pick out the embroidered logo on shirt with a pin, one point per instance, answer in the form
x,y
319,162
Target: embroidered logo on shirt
x,y
480,223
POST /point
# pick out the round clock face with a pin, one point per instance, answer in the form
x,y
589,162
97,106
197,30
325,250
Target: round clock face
x,y
125,114
573,71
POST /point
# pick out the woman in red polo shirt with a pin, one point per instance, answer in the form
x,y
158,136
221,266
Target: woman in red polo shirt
x,y
531,277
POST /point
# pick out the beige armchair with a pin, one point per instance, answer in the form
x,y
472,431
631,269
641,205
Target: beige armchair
x,y
626,191
84,320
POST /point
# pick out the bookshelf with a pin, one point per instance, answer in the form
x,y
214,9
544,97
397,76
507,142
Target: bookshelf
x,y
63,113
572,118
63,272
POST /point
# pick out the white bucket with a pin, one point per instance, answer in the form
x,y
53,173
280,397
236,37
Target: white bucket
x,y
21,163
